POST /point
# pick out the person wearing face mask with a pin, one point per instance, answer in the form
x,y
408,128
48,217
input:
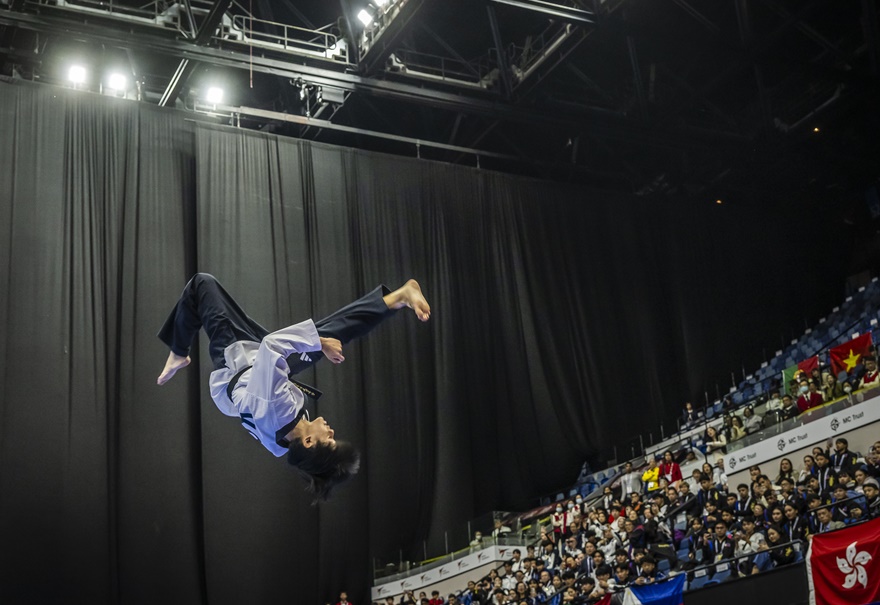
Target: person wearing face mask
x,y
570,512
558,519
809,398
579,505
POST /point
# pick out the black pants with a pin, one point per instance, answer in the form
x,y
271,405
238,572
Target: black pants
x,y
204,303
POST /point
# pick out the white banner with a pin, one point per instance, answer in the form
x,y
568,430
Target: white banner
x,y
421,581
816,431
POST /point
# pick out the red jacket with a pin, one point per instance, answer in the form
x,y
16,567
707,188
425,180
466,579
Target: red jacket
x,y
671,471
810,400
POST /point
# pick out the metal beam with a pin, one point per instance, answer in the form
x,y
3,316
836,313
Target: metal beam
x,y
445,46
354,52
186,67
566,43
566,13
637,76
503,66
387,39
209,25
599,122
761,47
700,17
6,32
807,30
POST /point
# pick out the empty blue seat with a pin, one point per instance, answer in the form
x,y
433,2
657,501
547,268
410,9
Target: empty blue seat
x,y
699,580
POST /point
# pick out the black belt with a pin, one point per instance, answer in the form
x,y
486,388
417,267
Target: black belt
x,y
280,434
309,391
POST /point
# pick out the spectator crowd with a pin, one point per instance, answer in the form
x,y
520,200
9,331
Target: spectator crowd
x,y
652,522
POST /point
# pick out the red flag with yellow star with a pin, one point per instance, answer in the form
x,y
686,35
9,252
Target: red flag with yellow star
x,y
848,355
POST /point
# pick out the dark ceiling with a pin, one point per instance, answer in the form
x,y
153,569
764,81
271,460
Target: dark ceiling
x,y
745,100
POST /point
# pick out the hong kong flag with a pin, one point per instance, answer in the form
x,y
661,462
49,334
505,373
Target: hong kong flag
x,y
843,567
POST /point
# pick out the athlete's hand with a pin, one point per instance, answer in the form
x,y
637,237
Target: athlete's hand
x,y
332,349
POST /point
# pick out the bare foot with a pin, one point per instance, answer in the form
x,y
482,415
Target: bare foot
x,y
410,295
174,363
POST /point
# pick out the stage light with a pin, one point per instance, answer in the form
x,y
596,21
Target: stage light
x,y
117,82
718,202
214,95
365,17
77,74
816,129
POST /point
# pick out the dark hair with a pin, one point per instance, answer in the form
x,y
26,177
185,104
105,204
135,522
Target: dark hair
x,y
324,466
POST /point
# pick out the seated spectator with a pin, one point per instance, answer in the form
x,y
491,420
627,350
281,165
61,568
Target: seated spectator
x,y
750,541
690,457
715,441
718,545
786,470
732,521
774,403
621,577
737,429
753,422
856,513
788,410
436,599
825,522
831,389
343,599
689,415
842,458
719,476
871,489
795,528
648,573
604,584
707,492
809,397
694,480
477,542
779,556
809,469
871,373
845,479
669,468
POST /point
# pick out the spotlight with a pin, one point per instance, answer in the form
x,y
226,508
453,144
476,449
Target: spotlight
x,y
816,129
214,95
77,74
365,17
117,82
718,202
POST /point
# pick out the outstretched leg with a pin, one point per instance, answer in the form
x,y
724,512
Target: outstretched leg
x,y
204,303
409,295
360,317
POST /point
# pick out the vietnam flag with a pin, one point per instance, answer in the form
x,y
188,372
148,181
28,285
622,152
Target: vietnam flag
x,y
843,567
807,366
848,355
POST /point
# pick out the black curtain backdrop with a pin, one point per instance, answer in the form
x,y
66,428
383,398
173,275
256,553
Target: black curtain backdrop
x,y
564,321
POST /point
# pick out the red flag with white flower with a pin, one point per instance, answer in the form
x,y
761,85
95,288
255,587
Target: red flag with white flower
x,y
843,567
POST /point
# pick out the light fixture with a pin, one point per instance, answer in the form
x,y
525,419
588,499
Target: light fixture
x,y
718,201
816,129
214,95
77,74
365,17
117,82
